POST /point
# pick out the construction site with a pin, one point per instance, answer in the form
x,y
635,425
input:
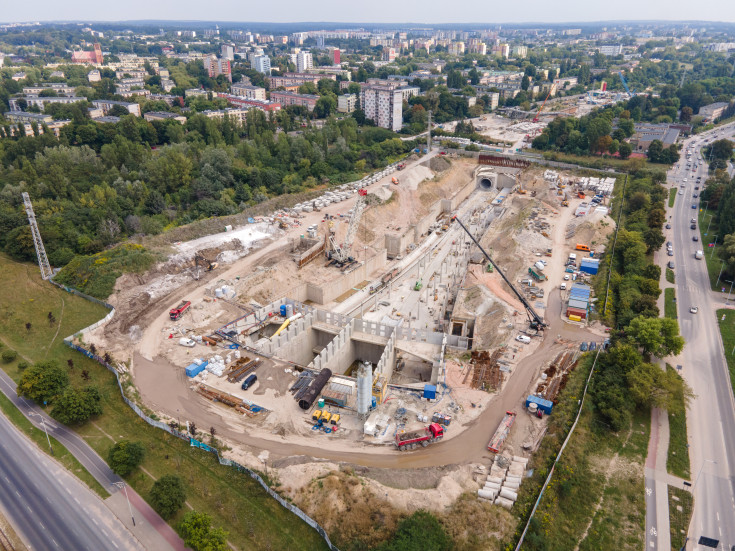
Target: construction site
x,y
417,318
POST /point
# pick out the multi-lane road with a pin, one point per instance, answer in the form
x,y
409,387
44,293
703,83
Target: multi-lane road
x,y
49,506
711,416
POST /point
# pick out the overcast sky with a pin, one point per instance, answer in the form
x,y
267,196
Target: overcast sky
x,y
375,11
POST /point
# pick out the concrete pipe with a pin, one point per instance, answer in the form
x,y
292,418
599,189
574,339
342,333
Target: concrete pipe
x,y
509,494
486,494
503,502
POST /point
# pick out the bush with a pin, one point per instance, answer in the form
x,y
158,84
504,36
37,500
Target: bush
x,y
168,495
9,356
23,365
196,530
125,456
420,532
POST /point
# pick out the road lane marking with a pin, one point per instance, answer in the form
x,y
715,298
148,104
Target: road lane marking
x,y
113,543
16,493
53,540
41,525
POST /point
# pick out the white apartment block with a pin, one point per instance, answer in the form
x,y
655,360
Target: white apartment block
x,y
383,103
346,103
304,61
262,64
616,49
248,91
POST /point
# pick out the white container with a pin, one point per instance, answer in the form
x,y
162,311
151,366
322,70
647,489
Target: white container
x,y
218,292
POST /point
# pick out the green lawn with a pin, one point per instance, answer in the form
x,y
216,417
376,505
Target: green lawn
x,y
707,224
670,303
581,497
670,277
595,161
677,462
680,513
237,503
727,330
672,197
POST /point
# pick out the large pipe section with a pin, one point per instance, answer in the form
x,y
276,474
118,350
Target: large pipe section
x,y
315,388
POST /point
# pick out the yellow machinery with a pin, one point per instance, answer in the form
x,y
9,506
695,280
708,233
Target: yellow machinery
x,y
316,415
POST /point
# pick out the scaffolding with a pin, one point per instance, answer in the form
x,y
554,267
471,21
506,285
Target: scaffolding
x,y
46,272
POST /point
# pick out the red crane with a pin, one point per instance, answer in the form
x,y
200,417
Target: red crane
x,y
535,119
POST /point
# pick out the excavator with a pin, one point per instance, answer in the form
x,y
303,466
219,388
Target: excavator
x,y
201,261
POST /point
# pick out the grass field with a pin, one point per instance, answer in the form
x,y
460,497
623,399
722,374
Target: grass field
x,y
727,330
236,502
708,230
677,461
594,161
672,197
680,513
670,303
670,276
596,496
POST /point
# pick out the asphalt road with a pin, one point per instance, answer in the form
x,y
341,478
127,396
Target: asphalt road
x,y
48,506
711,417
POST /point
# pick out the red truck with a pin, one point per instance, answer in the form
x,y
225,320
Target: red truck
x,y
176,313
411,440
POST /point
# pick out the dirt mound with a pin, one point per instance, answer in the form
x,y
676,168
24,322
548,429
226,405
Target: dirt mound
x,y
439,164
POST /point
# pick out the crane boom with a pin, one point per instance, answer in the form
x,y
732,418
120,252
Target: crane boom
x,y
535,119
341,254
625,84
536,321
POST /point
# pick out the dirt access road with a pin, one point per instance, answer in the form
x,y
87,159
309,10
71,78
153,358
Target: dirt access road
x,y
153,334
174,398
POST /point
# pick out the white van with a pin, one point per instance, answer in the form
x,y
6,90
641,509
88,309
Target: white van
x,y
563,286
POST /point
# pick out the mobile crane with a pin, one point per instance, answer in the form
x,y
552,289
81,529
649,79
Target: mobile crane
x,y
340,255
534,320
535,119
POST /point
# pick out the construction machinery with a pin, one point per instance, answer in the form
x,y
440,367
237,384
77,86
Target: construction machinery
x,y
498,439
625,84
201,261
340,255
551,90
176,313
411,440
535,321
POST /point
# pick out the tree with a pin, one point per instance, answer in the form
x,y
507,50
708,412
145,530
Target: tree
x,y
196,530
125,456
168,495
655,150
625,149
686,114
657,336
77,406
421,531
722,149
727,252
43,382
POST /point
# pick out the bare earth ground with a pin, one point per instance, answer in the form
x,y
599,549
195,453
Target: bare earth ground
x,y
432,478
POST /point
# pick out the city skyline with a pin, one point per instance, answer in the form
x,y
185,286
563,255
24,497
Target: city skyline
x,y
380,12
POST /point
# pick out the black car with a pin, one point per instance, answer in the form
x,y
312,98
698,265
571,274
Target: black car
x,y
695,195
668,226
695,238
671,264
693,226
670,252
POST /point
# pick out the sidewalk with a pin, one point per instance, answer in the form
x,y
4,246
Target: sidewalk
x,y
150,529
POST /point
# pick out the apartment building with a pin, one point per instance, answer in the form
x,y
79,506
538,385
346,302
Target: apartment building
x,y
382,101
289,98
304,61
107,104
262,64
235,114
164,116
248,91
216,67
346,103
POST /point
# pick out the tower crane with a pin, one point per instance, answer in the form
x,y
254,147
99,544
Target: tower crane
x,y
341,254
625,84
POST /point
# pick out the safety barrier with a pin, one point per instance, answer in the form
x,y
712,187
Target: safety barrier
x,y
178,434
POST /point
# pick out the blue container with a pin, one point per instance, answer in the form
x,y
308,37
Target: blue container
x,y
430,392
283,310
192,370
374,403
543,405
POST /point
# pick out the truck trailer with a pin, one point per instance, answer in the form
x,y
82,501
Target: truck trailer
x,y
411,440
498,439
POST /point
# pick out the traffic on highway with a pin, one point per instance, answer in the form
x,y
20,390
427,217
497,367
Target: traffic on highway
x,y
711,416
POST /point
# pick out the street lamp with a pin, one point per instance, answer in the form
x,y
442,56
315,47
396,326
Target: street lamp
x,y
125,489
730,291
700,472
43,424
706,206
720,275
714,246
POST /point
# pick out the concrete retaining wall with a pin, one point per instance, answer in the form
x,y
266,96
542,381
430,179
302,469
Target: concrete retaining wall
x,y
327,292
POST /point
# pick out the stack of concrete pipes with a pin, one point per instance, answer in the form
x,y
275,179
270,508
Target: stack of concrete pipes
x,y
501,485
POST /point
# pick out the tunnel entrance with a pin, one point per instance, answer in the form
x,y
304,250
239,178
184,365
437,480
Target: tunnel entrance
x,y
486,184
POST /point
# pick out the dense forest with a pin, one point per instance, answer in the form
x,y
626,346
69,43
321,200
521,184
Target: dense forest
x,y
99,183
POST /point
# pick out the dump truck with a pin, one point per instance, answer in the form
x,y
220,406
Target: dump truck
x,y
176,313
401,166
536,274
411,440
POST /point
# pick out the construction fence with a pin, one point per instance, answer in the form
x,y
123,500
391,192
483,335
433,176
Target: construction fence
x,y
184,436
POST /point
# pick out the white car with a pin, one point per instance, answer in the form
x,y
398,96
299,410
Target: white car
x,y
524,339
694,309
566,277
563,286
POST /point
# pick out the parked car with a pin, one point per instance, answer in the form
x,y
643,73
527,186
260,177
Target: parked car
x,y
695,238
583,347
566,277
671,264
524,339
693,226
593,345
563,286
250,381
695,195
694,206
668,226
669,244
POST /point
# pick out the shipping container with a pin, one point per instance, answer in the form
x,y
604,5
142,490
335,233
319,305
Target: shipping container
x,y
430,392
192,370
543,405
578,304
573,317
